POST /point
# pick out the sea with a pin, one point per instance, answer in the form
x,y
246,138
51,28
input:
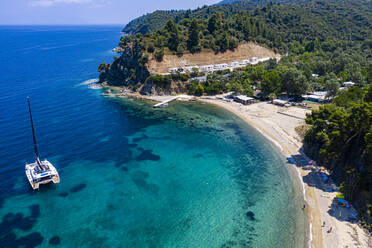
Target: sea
x,y
188,175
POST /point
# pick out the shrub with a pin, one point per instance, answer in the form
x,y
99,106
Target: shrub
x,y
159,54
102,67
199,90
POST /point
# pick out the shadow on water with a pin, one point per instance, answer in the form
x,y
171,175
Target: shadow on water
x,y
144,136
147,155
12,222
134,118
11,190
139,179
55,240
123,152
250,215
77,188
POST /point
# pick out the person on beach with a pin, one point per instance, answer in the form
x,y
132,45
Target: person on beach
x,y
323,224
330,230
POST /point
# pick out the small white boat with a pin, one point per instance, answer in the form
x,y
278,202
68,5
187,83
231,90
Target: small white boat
x,y
39,172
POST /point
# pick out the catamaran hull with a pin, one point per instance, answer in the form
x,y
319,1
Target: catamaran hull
x,y
54,180
35,180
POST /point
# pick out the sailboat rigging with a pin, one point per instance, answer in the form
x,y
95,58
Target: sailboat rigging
x,y
39,172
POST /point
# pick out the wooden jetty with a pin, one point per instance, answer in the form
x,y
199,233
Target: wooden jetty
x,y
165,103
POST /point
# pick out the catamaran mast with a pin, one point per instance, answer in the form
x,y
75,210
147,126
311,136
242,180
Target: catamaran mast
x,y
33,132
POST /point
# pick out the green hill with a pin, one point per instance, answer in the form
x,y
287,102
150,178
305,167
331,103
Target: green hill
x,y
330,38
154,21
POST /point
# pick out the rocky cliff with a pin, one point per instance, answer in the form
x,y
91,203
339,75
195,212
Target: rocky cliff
x,y
127,70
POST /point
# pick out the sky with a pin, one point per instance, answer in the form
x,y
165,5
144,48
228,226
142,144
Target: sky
x,y
75,12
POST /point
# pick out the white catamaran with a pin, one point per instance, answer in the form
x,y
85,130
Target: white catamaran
x,y
39,172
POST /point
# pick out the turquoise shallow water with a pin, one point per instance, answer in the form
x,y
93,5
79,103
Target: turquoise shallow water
x,y
189,175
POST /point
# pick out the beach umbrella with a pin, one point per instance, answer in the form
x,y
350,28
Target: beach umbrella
x,y
342,201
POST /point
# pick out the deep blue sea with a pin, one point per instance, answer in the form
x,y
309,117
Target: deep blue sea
x,y
189,175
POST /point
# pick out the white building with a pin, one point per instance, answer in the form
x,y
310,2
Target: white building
x,y
220,66
234,64
173,70
191,68
348,84
319,96
263,59
280,102
211,68
206,68
200,79
244,99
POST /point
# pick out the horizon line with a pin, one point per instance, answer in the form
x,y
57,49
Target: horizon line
x,y
61,24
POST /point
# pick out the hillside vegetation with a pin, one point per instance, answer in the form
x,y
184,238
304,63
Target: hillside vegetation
x,y
153,22
332,39
340,138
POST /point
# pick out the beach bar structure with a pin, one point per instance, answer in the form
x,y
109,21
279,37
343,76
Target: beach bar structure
x,y
319,96
243,99
279,102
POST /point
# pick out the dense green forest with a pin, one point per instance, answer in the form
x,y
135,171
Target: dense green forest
x,y
332,39
155,21
340,138
152,22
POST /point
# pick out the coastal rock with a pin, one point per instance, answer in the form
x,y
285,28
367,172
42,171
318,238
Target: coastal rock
x,y
55,240
126,70
174,87
250,215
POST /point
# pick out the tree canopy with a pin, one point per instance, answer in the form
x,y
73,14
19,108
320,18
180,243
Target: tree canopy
x,y
340,137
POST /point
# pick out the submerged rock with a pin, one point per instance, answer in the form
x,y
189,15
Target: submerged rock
x,y
63,194
250,215
55,240
78,188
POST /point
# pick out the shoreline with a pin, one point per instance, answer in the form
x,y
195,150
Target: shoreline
x,y
273,126
279,128
310,242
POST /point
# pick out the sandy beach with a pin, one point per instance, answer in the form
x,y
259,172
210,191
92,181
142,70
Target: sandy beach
x,y
330,225
278,125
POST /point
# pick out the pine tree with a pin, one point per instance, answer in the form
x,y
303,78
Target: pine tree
x,y
193,41
173,40
214,24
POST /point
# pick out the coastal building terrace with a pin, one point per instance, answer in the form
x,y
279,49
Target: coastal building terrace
x,y
217,67
206,60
